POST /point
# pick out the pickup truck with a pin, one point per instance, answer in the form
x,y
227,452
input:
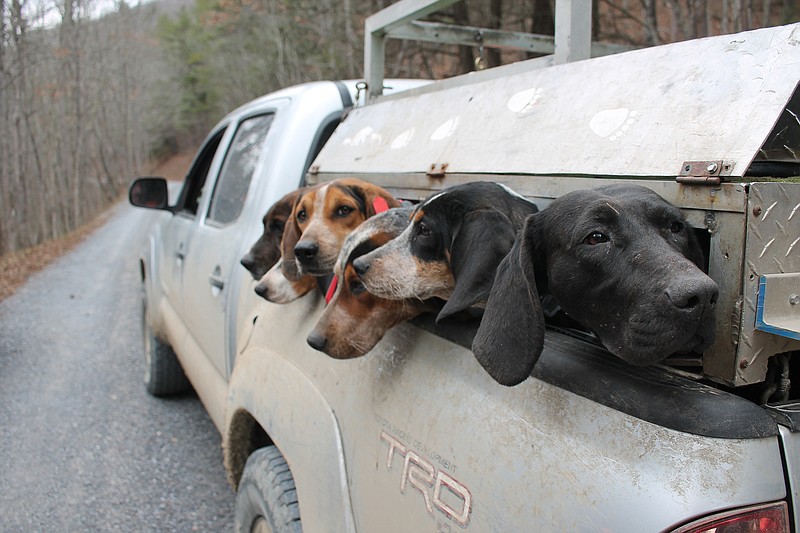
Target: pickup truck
x,y
415,436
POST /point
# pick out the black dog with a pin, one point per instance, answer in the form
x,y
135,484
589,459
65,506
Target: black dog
x,y
619,260
266,251
451,248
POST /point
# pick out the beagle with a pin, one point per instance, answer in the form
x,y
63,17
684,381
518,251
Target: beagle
x,y
621,261
320,220
266,251
451,248
323,216
355,320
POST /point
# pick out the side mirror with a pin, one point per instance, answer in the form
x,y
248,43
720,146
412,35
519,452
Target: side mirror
x,y
150,192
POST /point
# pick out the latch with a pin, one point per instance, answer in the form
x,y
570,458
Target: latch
x,y
702,172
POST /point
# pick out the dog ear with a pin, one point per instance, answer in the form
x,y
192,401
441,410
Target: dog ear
x,y
510,337
377,199
479,245
291,234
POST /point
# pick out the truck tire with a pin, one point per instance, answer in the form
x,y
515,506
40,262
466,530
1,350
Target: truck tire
x,y
163,374
266,501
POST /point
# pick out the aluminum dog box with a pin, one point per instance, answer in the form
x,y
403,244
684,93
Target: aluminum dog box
x,y
695,121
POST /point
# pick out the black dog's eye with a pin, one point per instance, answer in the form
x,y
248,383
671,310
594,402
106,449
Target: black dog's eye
x,y
676,227
302,215
423,229
277,225
344,210
356,287
595,237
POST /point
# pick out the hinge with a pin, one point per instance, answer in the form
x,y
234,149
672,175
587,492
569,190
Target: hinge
x,y
437,170
703,172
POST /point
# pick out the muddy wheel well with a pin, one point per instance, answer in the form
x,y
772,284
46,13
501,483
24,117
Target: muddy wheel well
x,y
245,435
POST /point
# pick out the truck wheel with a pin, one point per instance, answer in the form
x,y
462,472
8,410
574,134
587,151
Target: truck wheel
x,y
266,501
163,374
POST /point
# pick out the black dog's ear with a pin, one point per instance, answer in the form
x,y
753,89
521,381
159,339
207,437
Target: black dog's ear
x,y
482,241
510,337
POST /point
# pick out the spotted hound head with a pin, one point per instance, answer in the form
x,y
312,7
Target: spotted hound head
x,y
451,248
355,320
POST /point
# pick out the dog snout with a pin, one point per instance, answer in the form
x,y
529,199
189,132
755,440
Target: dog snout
x,y
360,266
317,340
306,251
262,290
693,293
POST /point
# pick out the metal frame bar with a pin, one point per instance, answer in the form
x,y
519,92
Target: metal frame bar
x,y
572,42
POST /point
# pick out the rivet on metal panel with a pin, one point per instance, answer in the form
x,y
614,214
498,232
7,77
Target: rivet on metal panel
x,y
744,363
794,299
712,168
314,169
756,210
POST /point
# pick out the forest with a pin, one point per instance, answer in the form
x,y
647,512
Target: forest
x,y
93,93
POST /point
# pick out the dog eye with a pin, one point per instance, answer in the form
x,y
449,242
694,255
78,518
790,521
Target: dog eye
x,y
676,227
301,215
595,237
423,229
277,225
356,287
344,210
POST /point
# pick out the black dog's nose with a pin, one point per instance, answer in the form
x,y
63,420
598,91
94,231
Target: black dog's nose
x,y
317,341
689,293
248,261
360,266
306,251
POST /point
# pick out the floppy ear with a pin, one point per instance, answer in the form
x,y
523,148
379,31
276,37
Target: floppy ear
x,y
377,199
291,234
511,334
481,242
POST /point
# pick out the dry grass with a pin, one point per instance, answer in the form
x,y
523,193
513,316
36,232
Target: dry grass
x,y
17,267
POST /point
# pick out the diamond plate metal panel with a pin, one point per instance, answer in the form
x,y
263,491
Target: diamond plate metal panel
x,y
772,247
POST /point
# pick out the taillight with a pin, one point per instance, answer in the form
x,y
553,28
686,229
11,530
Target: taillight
x,y
768,518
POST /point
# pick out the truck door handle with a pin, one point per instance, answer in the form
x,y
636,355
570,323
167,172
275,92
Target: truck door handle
x,y
216,281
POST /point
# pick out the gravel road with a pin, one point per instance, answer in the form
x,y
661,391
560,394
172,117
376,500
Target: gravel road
x,y
83,447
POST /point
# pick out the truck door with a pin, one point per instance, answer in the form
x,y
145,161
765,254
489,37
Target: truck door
x,y
177,232
216,244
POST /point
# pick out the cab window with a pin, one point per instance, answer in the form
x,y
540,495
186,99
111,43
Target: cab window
x,y
237,171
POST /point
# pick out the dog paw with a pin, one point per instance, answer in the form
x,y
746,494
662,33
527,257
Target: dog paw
x,y
524,102
612,124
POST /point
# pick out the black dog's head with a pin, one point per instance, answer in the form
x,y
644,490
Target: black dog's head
x,y
266,251
619,260
451,248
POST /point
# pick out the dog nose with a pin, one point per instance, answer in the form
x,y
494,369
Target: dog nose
x,y
261,290
305,251
690,293
360,266
248,261
317,341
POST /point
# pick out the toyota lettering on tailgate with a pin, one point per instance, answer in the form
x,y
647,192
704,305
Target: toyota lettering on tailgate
x,y
435,485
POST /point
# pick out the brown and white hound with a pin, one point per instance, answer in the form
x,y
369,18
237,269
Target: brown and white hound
x,y
321,219
354,320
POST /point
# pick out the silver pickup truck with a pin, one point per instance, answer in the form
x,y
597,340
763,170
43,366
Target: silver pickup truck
x,y
415,436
